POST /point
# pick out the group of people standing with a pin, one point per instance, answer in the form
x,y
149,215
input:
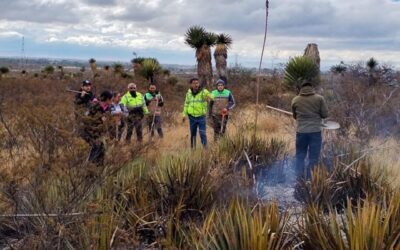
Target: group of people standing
x,y
112,112
199,102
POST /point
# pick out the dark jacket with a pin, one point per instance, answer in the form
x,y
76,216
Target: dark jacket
x,y
309,109
84,100
93,123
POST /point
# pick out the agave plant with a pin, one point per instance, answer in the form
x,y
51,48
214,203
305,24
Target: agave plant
x,y
223,43
202,41
300,69
239,227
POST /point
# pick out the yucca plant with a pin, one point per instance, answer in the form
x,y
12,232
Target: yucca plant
x,y
184,180
240,227
365,225
93,66
300,69
202,41
372,65
118,70
356,180
223,42
149,68
102,227
106,69
136,64
339,68
61,69
321,191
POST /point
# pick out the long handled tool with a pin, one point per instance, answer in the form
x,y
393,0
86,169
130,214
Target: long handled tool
x,y
325,124
154,116
73,91
222,121
117,121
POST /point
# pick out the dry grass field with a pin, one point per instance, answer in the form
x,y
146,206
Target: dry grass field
x,y
162,195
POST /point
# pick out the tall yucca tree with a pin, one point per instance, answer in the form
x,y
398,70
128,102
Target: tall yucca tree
x,y
149,68
300,69
312,52
93,66
372,65
339,69
61,69
118,70
107,70
223,43
202,41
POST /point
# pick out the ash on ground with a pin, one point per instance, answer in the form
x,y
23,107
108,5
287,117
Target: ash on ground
x,y
277,183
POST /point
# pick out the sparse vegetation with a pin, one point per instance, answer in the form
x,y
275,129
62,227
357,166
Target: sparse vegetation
x,y
162,195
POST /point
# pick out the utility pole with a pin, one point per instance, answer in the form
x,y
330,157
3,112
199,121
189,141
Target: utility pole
x,y
23,59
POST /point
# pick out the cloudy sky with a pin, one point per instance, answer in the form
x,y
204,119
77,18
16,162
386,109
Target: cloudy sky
x,y
351,30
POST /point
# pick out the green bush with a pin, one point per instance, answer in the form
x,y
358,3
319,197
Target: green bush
x,y
301,69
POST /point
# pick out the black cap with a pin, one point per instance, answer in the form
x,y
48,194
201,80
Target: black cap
x,y
86,83
106,95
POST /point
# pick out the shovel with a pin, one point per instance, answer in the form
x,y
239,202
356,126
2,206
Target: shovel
x,y
331,125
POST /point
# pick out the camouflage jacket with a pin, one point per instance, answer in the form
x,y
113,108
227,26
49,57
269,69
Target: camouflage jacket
x,y
96,121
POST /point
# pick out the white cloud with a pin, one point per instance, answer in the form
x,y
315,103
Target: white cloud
x,y
10,34
345,30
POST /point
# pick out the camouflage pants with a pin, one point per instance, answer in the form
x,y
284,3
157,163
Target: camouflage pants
x,y
97,150
155,125
219,124
133,121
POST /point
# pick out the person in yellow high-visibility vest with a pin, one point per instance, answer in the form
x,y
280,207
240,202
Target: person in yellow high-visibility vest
x,y
134,102
196,106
